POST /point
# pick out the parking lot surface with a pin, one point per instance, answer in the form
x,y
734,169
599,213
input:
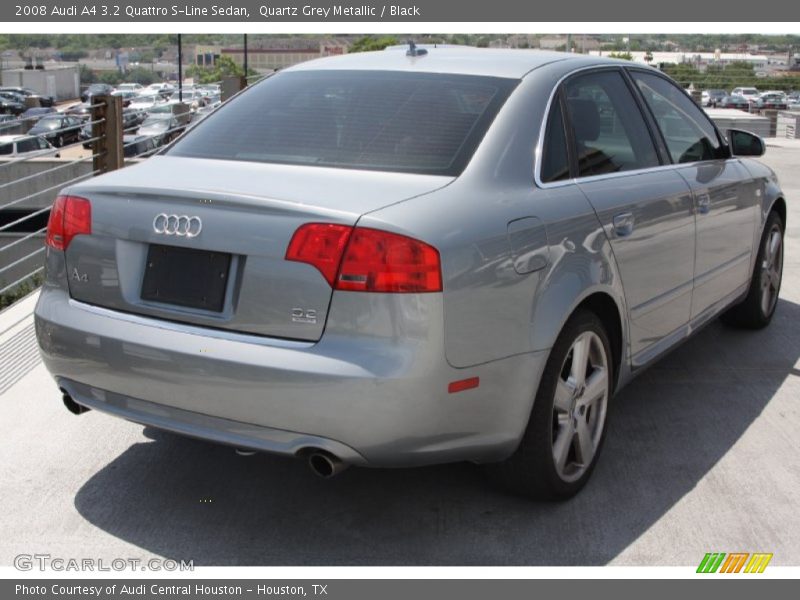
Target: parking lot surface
x,y
702,455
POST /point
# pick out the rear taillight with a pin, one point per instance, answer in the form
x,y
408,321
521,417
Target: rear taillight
x,y
367,260
70,216
320,245
379,261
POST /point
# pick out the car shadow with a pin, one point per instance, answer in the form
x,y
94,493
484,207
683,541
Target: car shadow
x,y
187,499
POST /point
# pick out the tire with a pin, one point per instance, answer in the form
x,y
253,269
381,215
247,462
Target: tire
x,y
756,310
548,463
60,141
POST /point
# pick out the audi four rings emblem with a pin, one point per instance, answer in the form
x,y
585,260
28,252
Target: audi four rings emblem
x,y
180,225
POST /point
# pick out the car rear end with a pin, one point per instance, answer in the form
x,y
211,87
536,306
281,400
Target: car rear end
x,y
235,290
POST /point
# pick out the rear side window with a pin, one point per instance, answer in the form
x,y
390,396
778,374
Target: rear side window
x,y
688,133
381,120
608,130
555,159
6,148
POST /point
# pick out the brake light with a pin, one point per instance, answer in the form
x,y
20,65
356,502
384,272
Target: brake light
x,y
320,245
379,261
69,216
362,259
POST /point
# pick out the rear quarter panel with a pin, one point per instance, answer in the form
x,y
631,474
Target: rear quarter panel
x,y
492,311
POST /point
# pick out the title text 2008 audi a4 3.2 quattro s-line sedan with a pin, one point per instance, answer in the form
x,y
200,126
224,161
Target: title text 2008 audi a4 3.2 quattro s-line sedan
x,y
410,257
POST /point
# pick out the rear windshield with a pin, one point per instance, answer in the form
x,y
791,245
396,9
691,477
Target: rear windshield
x,y
379,120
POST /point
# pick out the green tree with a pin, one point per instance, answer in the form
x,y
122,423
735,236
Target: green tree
x,y
369,43
223,67
142,75
621,55
683,73
86,75
110,77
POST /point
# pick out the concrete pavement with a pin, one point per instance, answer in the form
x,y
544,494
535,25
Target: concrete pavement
x,y
702,455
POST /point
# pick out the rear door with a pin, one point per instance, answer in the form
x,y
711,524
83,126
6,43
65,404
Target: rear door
x,y
725,195
646,211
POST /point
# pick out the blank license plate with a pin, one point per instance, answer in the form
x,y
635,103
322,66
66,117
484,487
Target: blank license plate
x,y
186,277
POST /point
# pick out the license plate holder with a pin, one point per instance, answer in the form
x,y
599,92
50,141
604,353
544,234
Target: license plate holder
x,y
186,277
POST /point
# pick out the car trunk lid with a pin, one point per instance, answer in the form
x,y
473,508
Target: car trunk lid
x,y
220,261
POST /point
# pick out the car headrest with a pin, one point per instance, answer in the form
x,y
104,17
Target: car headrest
x,y
585,119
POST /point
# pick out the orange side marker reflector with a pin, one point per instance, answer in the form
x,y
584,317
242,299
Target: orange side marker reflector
x,y
464,384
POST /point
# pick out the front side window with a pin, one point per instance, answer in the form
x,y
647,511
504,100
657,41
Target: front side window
x,y
608,130
380,120
688,133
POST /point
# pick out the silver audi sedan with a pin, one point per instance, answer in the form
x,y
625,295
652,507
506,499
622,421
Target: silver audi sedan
x,y
411,257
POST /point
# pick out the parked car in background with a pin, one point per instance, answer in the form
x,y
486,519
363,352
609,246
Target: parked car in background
x,y
162,128
31,115
131,119
83,111
58,129
146,101
384,260
10,104
43,100
7,122
191,97
134,145
130,87
770,100
126,95
776,92
162,89
750,93
96,89
209,89
711,97
739,102
25,145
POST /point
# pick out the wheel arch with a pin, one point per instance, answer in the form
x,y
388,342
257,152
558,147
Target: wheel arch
x,y
779,205
608,311
603,301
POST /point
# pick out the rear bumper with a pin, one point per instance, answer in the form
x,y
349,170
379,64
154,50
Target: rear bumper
x,y
215,429
378,400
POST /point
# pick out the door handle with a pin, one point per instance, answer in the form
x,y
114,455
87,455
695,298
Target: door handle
x,y
703,204
623,224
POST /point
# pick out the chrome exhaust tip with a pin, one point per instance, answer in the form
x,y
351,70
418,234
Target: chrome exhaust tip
x,y
326,465
72,406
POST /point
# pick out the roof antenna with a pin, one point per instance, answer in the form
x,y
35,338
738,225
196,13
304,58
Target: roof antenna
x,y
414,51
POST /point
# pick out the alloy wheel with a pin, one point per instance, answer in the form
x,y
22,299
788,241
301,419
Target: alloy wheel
x,y
771,269
579,407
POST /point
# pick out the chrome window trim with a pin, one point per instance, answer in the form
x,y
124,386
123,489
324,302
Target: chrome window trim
x,y
575,180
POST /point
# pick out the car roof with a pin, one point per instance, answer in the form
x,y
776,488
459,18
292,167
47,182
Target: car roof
x,y
489,62
7,139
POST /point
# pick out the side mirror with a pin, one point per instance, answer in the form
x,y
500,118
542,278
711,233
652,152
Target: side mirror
x,y
744,143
